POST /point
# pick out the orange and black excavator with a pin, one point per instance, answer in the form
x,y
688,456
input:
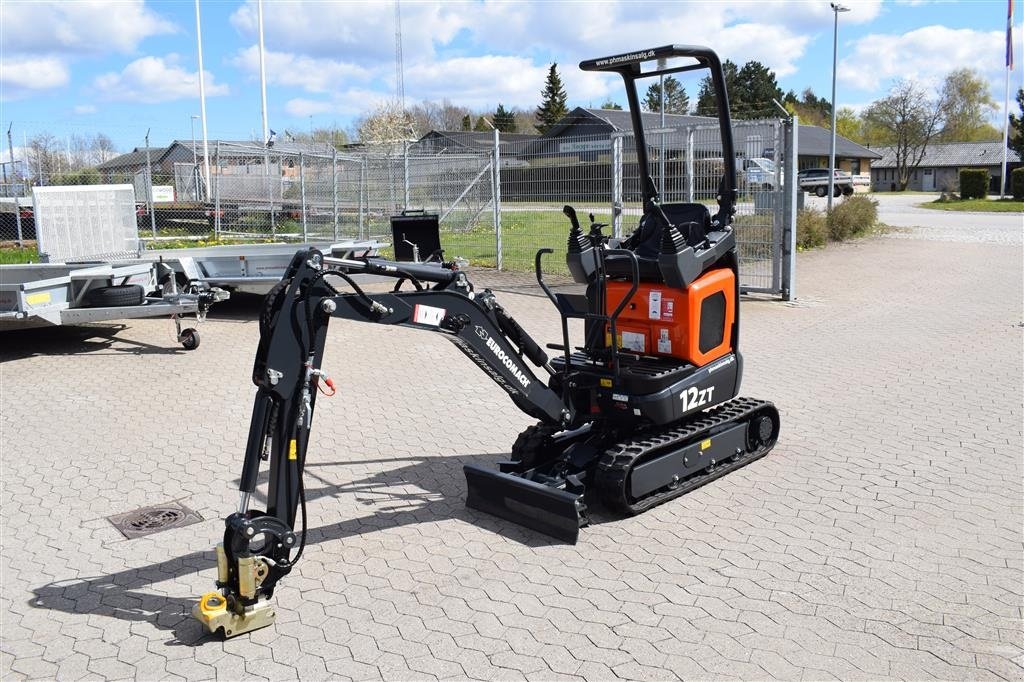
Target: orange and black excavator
x,y
644,410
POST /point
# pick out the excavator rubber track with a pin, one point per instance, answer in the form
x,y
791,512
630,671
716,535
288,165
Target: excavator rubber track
x,y
671,451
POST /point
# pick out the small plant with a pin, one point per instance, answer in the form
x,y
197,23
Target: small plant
x,y
811,231
853,217
973,183
1017,183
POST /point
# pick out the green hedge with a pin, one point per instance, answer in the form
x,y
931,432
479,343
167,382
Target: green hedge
x,y
1017,183
973,183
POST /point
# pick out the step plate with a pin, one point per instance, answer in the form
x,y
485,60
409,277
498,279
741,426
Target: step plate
x,y
545,509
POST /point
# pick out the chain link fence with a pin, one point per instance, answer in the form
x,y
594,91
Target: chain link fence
x,y
498,200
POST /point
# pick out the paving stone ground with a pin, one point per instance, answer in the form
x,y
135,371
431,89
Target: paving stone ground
x,y
881,539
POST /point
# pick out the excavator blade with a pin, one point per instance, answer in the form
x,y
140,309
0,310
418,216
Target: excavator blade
x,y
543,508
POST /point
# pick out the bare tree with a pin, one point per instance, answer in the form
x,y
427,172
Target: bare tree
x,y
441,115
907,118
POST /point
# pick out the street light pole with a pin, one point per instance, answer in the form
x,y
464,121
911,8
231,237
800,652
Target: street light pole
x,y
836,9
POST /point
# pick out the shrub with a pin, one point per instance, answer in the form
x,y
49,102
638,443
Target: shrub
x,y
811,231
1017,183
851,218
973,183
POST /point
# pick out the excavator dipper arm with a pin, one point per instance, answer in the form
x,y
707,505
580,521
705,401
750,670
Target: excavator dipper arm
x,y
260,546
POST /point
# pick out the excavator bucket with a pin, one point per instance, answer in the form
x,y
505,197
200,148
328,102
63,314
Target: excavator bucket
x,y
543,508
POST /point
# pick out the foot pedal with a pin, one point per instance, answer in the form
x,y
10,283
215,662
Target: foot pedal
x,y
213,612
545,509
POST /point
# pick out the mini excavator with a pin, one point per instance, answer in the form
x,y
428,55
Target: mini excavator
x,y
645,410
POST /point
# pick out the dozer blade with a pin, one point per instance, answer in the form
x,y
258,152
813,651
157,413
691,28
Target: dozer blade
x,y
545,509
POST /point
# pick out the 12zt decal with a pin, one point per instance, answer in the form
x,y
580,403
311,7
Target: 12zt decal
x,y
694,397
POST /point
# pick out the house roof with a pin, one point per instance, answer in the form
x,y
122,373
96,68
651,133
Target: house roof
x,y
136,157
251,148
471,139
954,154
813,141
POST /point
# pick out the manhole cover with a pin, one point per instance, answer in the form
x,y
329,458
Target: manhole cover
x,y
148,520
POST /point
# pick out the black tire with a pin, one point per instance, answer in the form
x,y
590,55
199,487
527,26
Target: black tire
x,y
848,191
820,191
836,190
111,297
189,338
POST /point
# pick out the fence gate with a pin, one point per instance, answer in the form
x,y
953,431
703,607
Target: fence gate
x,y
687,164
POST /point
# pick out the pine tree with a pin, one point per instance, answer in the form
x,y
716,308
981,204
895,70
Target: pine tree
x,y
676,99
614,106
467,122
481,125
552,107
1016,138
504,120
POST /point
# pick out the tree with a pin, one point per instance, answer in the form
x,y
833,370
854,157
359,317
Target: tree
x,y
443,115
706,103
387,124
504,120
481,125
908,119
1016,138
467,122
966,107
676,99
848,124
811,109
614,106
750,89
552,104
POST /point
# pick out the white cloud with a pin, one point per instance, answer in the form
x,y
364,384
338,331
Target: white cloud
x,y
309,73
925,55
84,109
23,76
330,47
358,32
155,79
33,73
63,27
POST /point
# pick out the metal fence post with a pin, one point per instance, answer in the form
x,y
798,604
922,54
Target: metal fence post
x,y
405,157
334,190
362,186
792,186
302,192
617,185
216,193
689,165
274,195
149,189
496,192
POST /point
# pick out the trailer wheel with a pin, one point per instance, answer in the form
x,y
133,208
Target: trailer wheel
x,y
189,338
821,191
111,297
848,191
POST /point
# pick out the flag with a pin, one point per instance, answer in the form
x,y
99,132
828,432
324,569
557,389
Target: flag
x,y
1009,35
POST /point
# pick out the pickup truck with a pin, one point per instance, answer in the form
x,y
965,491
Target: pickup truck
x,y
816,180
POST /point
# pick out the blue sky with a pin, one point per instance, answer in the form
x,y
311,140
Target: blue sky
x,y
124,66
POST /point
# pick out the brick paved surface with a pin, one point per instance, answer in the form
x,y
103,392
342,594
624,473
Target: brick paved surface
x,y
881,539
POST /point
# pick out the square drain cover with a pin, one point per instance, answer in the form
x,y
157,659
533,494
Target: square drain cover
x,y
149,520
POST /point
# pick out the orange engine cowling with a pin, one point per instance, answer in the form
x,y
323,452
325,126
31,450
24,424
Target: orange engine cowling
x,y
693,324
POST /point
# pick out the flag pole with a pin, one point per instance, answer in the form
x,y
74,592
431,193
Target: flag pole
x,y
202,103
1006,97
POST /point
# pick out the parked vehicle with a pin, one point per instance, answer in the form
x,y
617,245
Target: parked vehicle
x,y
816,180
759,172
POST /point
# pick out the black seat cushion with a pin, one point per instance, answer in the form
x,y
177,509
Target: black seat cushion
x,y
693,220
